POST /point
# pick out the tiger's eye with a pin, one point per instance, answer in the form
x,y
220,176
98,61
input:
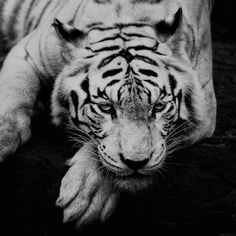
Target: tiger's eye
x,y
159,107
106,108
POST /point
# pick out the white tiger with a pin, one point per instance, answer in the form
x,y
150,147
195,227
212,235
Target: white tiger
x,y
134,76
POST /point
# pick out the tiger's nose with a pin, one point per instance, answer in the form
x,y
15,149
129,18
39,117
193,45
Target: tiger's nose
x,y
134,164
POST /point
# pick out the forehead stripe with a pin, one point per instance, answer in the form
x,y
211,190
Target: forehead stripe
x,y
146,59
112,48
148,72
110,73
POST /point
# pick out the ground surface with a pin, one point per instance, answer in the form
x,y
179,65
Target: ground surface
x,y
196,196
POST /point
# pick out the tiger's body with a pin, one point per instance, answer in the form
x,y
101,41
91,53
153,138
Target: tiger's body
x,y
134,75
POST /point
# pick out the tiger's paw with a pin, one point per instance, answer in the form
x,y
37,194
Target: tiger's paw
x,y
84,194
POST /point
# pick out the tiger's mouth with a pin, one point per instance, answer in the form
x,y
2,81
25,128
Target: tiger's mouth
x,y
132,181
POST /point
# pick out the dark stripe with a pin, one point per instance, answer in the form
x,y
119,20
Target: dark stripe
x,y
146,59
119,36
13,19
85,87
93,110
116,36
29,9
138,25
96,128
42,13
110,73
112,48
151,82
91,120
107,39
179,69
148,72
149,95
93,24
72,21
75,100
120,26
26,23
114,81
138,35
173,83
90,56
102,29
140,47
179,98
29,25
119,93
102,1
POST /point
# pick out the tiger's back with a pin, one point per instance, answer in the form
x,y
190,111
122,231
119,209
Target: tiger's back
x,y
18,18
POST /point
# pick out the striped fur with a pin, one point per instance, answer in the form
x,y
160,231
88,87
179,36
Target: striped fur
x,y
134,76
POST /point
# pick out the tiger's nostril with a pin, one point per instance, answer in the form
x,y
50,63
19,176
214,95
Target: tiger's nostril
x,y
134,164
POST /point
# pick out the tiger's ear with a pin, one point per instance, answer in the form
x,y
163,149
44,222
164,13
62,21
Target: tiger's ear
x,y
67,32
167,28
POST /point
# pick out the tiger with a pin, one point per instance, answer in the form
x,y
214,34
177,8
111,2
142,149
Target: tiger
x,y
129,80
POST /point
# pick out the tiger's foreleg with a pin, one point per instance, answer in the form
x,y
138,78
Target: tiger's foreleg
x,y
85,195
19,87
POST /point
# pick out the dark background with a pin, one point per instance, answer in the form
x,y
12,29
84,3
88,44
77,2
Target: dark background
x,y
195,196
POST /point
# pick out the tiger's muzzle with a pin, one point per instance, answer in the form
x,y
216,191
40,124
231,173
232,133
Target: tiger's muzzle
x,y
134,154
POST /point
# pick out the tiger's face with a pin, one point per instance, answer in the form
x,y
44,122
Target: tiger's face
x,y
127,91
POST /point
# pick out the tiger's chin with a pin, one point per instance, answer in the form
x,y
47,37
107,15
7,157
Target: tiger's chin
x,y
132,182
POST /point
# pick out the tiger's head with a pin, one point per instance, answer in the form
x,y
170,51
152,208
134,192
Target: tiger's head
x,y
125,87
